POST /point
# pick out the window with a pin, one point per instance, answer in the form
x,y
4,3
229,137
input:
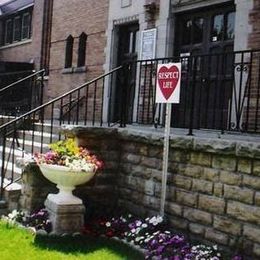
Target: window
x,y
82,50
223,27
217,28
26,26
230,31
17,28
8,31
69,52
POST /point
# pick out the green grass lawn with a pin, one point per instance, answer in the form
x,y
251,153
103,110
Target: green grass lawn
x,y
19,244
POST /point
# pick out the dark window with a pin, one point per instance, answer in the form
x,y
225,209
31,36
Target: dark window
x,y
198,30
217,28
82,50
17,28
187,32
69,52
26,26
230,30
8,31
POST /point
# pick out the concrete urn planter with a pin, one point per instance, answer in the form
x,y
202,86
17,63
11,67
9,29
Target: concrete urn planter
x,y
66,180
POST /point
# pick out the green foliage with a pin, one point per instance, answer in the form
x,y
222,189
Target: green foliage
x,y
65,147
17,243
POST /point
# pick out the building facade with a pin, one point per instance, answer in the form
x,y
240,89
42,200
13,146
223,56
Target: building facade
x,y
24,32
78,43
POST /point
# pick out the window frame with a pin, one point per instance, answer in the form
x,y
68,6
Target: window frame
x,y
82,47
69,52
11,22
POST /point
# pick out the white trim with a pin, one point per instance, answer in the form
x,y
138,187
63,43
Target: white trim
x,y
16,44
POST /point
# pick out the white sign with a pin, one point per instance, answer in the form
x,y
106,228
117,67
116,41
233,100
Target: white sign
x,y
168,83
148,44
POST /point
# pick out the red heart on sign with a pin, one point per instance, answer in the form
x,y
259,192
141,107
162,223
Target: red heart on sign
x,y
168,79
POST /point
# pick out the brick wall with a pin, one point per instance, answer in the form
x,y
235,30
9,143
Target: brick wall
x,y
213,191
73,19
254,38
29,51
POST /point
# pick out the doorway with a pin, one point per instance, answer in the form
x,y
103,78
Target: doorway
x,y
204,40
127,49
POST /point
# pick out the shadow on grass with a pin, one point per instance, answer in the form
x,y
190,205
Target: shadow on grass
x,y
85,245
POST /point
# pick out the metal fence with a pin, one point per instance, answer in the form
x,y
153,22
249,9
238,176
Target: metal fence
x,y
218,91
19,93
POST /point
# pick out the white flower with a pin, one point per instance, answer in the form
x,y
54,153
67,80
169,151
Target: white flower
x,y
144,225
108,224
138,223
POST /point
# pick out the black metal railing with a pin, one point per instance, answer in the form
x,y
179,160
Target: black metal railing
x,y
84,105
218,91
19,93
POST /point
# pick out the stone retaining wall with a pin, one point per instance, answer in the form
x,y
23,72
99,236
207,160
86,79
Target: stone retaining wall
x,y
213,190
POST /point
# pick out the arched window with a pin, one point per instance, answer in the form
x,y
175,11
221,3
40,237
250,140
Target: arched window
x,y
82,50
69,52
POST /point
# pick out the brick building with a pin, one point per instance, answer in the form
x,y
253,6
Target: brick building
x,y
78,43
24,32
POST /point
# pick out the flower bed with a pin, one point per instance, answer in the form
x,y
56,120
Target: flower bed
x,y
149,235
152,235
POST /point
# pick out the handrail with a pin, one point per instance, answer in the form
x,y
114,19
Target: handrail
x,y
19,81
58,98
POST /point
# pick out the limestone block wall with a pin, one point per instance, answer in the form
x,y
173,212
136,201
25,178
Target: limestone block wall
x,y
213,189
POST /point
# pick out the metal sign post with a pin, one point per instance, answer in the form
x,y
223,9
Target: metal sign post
x,y
165,156
167,91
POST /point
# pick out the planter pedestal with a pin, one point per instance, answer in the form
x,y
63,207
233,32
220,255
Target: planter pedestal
x,y
66,211
65,218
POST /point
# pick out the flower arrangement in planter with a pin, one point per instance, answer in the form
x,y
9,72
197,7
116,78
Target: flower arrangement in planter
x,y
67,165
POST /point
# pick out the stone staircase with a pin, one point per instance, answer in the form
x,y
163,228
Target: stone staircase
x,y
24,145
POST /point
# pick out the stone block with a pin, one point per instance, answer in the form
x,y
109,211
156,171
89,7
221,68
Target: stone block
x,y
186,198
192,170
183,143
149,187
65,218
131,158
256,167
182,181
210,174
237,193
151,162
174,167
180,223
215,146
216,236
179,156
218,189
154,151
252,233
227,225
244,165
257,198
196,229
203,159
248,150
256,250
197,216
230,178
252,182
211,204
202,186
224,162
173,209
243,212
